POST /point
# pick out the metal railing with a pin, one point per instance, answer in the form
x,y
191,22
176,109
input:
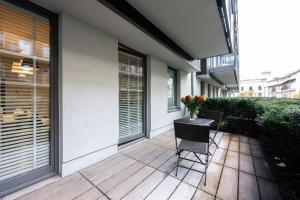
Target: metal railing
x,y
220,61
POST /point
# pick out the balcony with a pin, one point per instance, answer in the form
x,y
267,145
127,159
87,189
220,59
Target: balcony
x,y
146,170
221,69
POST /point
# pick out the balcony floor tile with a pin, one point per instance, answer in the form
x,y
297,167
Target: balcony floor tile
x,y
146,170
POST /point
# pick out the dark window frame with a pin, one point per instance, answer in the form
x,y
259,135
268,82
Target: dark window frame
x,y
24,180
125,49
176,106
202,85
209,90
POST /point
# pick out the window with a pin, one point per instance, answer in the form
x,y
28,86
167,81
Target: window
x,y
273,89
26,96
131,96
172,88
259,87
250,88
242,88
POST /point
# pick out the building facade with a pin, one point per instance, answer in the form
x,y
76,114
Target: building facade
x,y
287,86
79,80
253,87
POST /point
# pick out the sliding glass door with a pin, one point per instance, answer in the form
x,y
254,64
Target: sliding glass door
x,y
25,136
131,96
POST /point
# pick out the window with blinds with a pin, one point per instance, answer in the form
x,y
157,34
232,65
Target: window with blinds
x,y
172,88
131,97
24,82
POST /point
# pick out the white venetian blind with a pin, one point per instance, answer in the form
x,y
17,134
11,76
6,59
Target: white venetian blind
x,y
24,91
131,92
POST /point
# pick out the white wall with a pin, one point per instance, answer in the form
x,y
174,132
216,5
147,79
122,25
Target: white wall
x,y
197,85
161,119
206,88
89,91
89,67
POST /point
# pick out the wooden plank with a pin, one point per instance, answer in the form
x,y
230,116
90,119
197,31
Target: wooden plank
x,y
92,194
159,161
193,178
150,156
248,187
118,178
144,188
181,170
122,189
66,188
213,177
184,191
200,195
168,166
105,171
228,184
232,159
246,163
219,156
164,189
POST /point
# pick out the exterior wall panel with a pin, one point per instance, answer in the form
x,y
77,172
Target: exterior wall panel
x,y
89,84
161,119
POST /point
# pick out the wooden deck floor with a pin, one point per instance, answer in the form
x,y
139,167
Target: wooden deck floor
x,y
237,170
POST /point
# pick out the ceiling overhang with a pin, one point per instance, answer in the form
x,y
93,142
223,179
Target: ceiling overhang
x,y
101,17
210,80
233,87
226,74
183,31
198,27
132,15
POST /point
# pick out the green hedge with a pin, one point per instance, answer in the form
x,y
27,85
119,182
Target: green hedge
x,y
276,122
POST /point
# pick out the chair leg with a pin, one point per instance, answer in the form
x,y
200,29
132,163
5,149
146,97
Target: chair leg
x,y
212,141
177,164
206,161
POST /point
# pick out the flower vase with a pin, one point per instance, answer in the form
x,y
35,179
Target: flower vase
x,y
192,114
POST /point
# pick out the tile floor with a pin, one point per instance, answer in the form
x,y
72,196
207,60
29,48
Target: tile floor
x,y
146,170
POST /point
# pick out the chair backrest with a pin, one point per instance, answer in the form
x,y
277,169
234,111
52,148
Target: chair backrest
x,y
191,132
215,115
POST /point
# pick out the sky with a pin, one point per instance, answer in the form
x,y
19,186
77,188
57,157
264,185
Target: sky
x,y
269,37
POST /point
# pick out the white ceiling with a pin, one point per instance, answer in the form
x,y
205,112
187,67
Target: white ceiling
x,y
225,74
97,15
195,25
207,78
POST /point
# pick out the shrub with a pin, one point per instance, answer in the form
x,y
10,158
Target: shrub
x,y
275,121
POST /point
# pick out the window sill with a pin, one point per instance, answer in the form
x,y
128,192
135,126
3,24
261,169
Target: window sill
x,y
174,109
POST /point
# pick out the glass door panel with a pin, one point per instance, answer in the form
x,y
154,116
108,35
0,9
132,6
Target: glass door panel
x,y
25,85
131,97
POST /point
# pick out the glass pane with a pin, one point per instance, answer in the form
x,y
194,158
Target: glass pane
x,y
172,87
24,103
131,96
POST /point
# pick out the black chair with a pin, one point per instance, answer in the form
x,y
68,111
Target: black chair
x,y
195,139
217,117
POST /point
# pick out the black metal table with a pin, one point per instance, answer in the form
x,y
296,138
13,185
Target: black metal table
x,y
197,121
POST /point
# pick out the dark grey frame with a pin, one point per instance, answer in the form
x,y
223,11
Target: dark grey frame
x,y
209,90
176,107
24,180
131,51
